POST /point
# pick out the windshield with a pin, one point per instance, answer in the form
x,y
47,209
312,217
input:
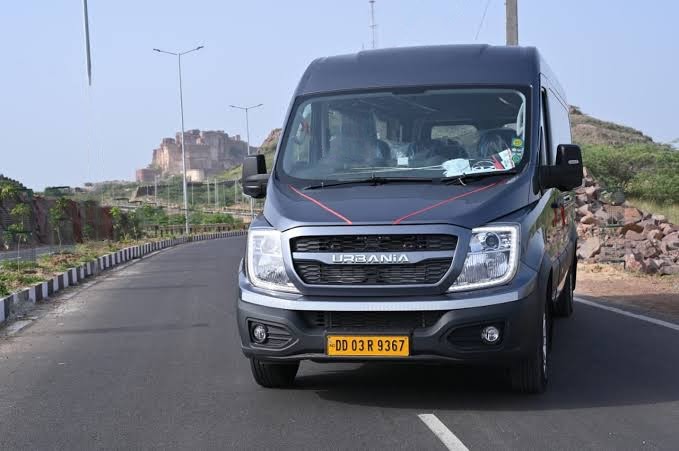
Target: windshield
x,y
431,134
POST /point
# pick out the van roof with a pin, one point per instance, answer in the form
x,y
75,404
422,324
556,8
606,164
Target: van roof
x,y
425,66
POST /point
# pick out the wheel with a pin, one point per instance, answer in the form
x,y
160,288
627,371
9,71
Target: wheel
x,y
563,308
273,375
530,375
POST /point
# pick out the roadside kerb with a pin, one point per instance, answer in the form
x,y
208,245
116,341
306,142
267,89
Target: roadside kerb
x,y
72,276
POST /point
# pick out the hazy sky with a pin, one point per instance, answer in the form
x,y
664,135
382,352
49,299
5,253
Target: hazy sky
x,y
618,60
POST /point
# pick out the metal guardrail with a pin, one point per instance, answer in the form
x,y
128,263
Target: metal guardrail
x,y
32,253
156,230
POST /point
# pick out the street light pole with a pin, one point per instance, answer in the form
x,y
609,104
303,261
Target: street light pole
x,y
155,189
247,134
181,113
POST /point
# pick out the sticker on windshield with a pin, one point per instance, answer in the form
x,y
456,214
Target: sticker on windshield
x,y
517,142
506,159
517,155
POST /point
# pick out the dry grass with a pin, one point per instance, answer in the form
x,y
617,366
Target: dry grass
x,y
649,294
15,276
669,210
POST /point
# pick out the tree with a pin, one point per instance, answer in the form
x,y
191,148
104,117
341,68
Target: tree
x,y
616,167
10,192
117,219
57,216
18,231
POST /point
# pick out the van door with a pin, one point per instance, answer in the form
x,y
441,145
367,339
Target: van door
x,y
549,218
564,203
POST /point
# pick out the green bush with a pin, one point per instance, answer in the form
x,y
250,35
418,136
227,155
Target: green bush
x,y
218,218
149,214
644,171
175,220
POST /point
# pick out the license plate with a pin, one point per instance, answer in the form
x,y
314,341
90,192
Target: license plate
x,y
368,345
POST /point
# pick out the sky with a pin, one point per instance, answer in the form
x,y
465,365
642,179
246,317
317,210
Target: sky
x,y
618,61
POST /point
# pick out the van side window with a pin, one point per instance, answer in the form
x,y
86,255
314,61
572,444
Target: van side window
x,y
301,136
543,130
560,124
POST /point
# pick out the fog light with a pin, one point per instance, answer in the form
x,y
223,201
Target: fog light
x,y
490,334
260,333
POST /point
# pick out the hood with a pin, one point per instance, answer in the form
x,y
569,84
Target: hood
x,y
469,206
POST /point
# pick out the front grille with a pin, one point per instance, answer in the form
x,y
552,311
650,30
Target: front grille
x,y
428,272
372,321
374,243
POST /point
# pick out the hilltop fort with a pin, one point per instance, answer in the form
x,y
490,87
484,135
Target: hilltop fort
x,y
208,153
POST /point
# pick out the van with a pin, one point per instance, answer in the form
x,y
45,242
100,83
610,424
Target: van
x,y
419,209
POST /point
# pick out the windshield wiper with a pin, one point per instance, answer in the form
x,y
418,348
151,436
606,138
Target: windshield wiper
x,y
462,178
371,180
375,180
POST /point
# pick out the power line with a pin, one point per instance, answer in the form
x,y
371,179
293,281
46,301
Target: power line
x,y
483,18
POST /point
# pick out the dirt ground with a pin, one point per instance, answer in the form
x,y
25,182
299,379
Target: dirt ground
x,y
656,296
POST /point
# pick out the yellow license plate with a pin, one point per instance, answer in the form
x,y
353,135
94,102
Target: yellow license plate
x,y
368,345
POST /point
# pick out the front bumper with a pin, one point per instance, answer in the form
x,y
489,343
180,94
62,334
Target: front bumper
x,y
453,336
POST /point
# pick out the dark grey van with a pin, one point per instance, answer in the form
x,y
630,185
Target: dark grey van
x,y
419,208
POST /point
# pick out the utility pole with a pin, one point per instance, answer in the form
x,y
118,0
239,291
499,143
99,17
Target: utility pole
x,y
181,112
512,22
216,196
208,192
373,25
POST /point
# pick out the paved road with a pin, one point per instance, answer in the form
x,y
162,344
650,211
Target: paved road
x,y
148,357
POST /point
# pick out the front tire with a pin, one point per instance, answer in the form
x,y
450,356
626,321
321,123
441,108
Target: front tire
x,y
273,375
530,375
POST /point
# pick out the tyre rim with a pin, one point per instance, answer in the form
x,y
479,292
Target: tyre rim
x,y
544,344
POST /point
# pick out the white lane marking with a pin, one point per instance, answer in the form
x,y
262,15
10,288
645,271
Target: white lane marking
x,y
648,319
442,432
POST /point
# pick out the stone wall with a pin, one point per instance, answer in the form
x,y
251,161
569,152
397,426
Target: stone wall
x,y
618,232
83,220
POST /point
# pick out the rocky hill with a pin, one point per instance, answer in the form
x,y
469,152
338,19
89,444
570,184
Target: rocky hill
x,y
267,148
270,142
588,130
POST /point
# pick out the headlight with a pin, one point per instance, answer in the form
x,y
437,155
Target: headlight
x,y
265,261
492,258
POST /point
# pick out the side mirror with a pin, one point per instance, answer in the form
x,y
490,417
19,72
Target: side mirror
x,y
567,173
254,177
